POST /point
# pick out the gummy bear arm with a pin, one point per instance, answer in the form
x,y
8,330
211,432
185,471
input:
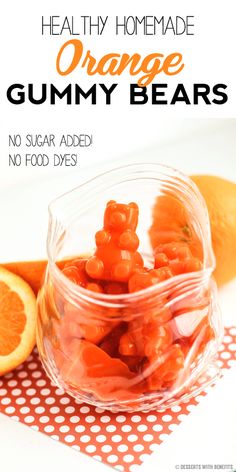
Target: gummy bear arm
x,y
128,240
102,237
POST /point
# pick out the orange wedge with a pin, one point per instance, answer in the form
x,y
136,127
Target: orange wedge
x,y
17,320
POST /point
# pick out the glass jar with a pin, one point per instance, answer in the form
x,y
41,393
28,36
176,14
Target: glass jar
x,y
78,331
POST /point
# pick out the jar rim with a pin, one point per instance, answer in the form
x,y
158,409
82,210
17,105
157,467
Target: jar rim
x,y
187,281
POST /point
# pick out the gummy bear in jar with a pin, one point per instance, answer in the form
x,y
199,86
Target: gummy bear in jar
x,y
132,321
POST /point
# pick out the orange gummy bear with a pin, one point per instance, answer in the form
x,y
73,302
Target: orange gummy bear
x,y
75,271
116,255
164,367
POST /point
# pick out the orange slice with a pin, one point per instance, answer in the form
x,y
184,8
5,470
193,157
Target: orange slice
x,y
17,320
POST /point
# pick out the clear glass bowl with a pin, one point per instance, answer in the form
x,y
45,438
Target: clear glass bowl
x,y
71,318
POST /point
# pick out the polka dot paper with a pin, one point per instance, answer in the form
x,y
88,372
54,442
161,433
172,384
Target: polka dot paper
x,y
123,441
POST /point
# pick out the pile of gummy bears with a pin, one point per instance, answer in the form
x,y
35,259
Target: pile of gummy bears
x,y
128,356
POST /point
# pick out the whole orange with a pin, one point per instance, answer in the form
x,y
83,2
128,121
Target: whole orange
x,y
220,197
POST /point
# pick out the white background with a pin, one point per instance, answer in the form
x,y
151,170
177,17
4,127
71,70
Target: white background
x,y
171,135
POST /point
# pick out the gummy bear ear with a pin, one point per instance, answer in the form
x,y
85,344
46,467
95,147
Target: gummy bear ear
x,y
111,202
133,205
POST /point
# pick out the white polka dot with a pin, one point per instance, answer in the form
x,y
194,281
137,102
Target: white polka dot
x,y
49,428
26,383
90,448
132,437
84,409
151,418
100,438
54,410
35,401
31,391
126,428
99,410
36,374
120,418
198,398
128,458
22,374
134,468
176,408
32,365
10,409
154,447
64,428
6,401
59,391
105,419
172,426
148,437
44,419
76,447
232,331
95,428
225,355
8,376
20,401
15,418
120,467
163,436
90,419
181,417
34,427
50,400
70,438
112,458
116,438
111,428
74,419
16,392
190,407
231,362
29,419
136,418
79,428
97,458
3,392
45,391
70,409
142,428
39,410
12,383
166,418
106,448
85,438
232,347
41,383
59,419
122,448
157,427
138,447
64,400
24,410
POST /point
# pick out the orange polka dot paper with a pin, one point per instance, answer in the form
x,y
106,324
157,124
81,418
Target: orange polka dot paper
x,y
123,441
